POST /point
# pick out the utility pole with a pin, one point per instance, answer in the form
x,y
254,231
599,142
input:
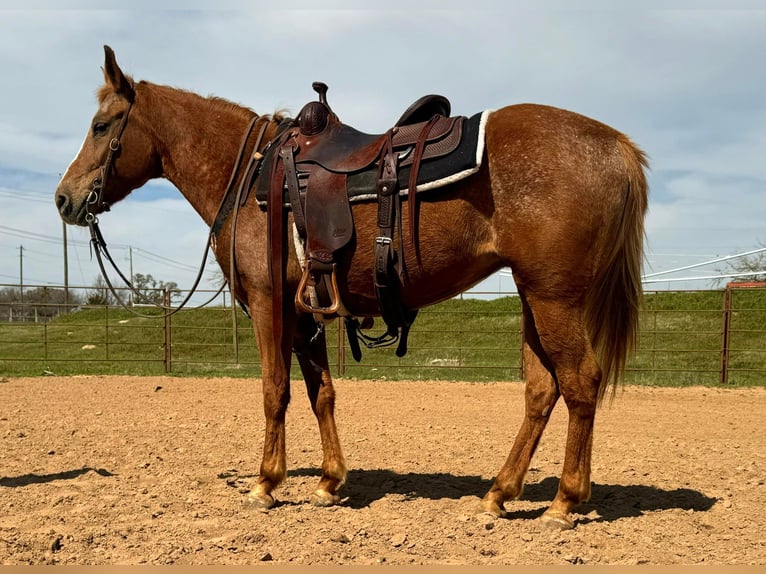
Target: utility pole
x,y
21,272
66,259
130,291
66,265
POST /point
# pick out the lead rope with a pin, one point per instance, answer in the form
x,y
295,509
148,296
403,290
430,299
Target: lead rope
x,y
98,244
252,166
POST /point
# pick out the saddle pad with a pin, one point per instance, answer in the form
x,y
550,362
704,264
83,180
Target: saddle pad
x,y
433,173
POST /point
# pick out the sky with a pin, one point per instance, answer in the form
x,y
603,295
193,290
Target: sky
x,y
687,85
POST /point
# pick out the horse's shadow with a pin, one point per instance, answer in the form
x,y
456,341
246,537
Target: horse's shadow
x,y
610,501
28,479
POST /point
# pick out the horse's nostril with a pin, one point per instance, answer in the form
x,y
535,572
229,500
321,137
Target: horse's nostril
x,y
63,203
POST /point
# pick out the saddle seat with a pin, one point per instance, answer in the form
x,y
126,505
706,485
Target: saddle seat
x,y
325,141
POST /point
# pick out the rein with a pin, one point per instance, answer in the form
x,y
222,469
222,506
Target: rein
x,y
98,244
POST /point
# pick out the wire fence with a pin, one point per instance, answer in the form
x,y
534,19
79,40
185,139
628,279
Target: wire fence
x,y
686,337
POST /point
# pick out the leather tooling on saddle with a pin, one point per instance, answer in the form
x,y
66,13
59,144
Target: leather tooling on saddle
x,y
317,166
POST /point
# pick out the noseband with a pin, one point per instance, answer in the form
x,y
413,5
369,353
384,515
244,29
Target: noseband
x,y
96,196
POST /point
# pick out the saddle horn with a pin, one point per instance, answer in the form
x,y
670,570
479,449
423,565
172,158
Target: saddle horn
x,y
321,89
314,116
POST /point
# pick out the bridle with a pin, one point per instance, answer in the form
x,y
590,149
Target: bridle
x,y
95,201
96,195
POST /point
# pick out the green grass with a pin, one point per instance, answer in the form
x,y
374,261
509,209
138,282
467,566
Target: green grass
x,y
681,338
460,339
466,339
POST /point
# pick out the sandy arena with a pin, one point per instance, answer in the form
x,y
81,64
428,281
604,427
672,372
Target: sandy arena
x,y
121,470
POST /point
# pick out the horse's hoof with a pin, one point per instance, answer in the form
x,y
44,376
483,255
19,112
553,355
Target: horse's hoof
x,y
557,520
323,498
260,500
493,508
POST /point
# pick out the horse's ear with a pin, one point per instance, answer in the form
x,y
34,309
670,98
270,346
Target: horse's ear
x,y
114,77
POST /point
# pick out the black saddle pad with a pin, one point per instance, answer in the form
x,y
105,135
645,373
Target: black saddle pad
x,y
434,173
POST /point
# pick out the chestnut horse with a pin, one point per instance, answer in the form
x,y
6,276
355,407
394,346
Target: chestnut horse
x,y
559,198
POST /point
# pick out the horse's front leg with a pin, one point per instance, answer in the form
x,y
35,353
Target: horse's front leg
x,y
275,374
311,351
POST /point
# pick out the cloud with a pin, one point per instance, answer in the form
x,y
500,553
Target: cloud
x,y
683,84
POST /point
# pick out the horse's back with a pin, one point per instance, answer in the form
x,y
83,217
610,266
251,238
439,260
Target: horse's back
x,y
549,140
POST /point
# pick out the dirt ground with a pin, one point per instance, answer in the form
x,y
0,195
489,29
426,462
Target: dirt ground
x,y
120,470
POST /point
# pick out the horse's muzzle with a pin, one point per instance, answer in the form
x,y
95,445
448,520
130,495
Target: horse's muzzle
x,y
69,211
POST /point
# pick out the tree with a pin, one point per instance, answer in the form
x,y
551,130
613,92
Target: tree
x,y
99,294
9,297
39,303
753,265
47,302
148,290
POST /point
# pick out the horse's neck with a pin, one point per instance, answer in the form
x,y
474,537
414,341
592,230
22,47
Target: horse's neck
x,y
199,139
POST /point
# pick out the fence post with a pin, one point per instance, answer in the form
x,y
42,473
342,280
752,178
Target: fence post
x,y
167,351
235,336
341,347
725,335
106,331
522,360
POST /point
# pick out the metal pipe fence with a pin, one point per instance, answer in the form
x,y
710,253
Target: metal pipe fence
x,y
693,337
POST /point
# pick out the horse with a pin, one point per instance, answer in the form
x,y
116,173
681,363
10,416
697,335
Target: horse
x,y
559,198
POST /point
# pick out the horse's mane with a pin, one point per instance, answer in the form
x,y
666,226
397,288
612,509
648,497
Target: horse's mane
x,y
216,103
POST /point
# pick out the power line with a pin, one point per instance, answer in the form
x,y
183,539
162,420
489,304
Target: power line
x,y
717,260
27,279
46,197
36,236
25,191
36,255
57,241
162,259
706,277
652,277
4,193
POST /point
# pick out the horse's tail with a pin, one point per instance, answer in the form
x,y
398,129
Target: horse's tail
x,y
615,302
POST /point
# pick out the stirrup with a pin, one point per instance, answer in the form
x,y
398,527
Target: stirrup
x,y
300,295
388,338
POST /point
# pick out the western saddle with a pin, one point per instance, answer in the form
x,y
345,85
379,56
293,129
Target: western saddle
x,y
308,165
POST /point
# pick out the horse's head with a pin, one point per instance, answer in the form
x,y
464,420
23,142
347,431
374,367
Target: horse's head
x,y
117,156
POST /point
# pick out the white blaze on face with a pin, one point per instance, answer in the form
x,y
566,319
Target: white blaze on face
x,y
103,109
82,145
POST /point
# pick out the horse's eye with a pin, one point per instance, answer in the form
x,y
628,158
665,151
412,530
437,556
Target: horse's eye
x,y
100,128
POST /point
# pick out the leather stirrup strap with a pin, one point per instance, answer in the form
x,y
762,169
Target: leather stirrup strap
x,y
286,153
276,254
388,188
387,191
412,186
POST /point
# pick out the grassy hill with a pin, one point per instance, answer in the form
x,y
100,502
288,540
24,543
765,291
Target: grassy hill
x,y
465,339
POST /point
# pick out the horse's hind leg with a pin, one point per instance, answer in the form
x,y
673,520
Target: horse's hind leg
x,y
541,394
311,351
564,339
